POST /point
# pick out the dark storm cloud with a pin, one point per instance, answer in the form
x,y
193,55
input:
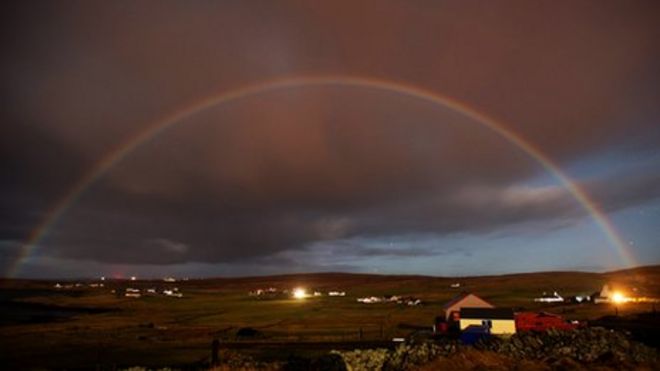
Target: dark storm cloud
x,y
345,249
195,230
279,171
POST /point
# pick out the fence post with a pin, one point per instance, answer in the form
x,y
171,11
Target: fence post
x,y
215,350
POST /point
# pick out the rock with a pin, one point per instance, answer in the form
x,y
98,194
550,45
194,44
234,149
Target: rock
x,y
581,345
584,344
329,362
248,332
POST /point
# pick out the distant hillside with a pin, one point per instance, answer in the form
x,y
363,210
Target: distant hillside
x,y
506,289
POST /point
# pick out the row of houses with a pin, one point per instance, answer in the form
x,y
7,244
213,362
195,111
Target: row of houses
x,y
406,300
131,292
605,295
554,297
275,293
77,285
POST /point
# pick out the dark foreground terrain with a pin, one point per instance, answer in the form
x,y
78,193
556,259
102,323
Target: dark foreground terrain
x,y
83,327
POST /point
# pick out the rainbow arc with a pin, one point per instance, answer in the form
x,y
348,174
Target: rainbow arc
x,y
121,151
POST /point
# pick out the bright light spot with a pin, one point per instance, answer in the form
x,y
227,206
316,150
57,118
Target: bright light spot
x,y
618,297
299,293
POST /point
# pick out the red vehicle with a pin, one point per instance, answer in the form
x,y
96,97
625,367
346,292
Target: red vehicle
x,y
530,321
443,327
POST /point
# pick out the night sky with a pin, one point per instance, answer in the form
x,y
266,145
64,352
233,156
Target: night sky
x,y
318,178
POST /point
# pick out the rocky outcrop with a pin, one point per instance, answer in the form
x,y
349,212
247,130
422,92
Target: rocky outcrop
x,y
586,345
403,357
581,346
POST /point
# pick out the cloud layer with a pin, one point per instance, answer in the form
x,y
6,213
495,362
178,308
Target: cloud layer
x,y
285,170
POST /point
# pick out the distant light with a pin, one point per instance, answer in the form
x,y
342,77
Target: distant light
x,y
299,293
133,278
102,278
618,298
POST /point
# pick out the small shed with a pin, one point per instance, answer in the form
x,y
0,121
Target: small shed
x,y
466,299
500,321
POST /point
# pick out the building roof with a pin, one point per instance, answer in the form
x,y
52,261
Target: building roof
x,y
481,313
460,297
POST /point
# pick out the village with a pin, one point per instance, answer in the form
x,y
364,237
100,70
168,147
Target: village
x,y
467,316
471,318
122,288
352,312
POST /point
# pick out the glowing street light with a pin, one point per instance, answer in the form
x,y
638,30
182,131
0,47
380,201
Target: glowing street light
x,y
299,293
618,298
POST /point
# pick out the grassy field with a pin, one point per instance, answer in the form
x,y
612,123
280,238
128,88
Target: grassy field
x,y
162,331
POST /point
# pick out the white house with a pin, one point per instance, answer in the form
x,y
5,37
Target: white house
x,y
550,298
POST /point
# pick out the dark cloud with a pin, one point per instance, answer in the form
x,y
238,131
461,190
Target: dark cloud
x,y
344,250
283,170
201,230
